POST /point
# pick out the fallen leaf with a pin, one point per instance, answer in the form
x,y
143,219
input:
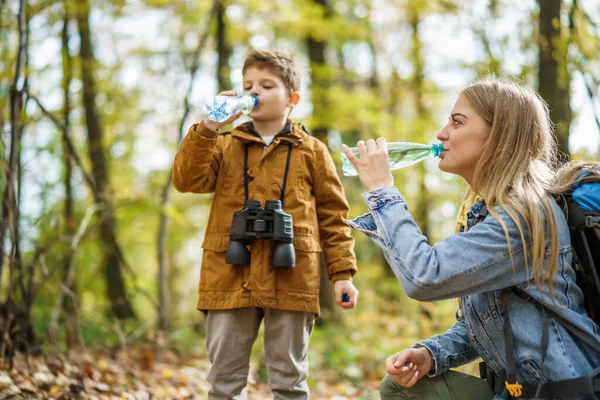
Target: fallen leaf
x,y
5,380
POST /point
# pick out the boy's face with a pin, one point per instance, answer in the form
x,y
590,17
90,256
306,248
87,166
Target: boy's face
x,y
273,97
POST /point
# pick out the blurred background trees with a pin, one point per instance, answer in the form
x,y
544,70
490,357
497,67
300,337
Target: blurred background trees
x,y
97,249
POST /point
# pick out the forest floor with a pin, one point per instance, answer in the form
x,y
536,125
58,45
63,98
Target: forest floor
x,y
142,374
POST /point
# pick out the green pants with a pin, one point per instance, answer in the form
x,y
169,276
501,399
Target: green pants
x,y
452,385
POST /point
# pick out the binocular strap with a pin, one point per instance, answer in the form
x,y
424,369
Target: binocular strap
x,y
285,174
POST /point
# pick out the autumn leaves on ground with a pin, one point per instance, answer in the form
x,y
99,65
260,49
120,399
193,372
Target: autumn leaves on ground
x,y
347,357
140,374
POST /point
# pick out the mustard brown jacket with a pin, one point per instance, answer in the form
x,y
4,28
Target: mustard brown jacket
x,y
210,161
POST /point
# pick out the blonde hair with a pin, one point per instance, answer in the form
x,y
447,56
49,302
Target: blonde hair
x,y
575,171
516,170
277,62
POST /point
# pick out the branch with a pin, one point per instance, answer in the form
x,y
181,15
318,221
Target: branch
x,y
91,184
130,270
586,16
32,288
164,197
72,151
70,276
480,32
195,65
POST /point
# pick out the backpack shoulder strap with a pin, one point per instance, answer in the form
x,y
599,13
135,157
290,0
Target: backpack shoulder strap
x,y
586,337
569,388
575,216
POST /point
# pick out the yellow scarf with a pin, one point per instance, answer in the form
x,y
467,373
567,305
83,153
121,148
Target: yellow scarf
x,y
465,207
461,224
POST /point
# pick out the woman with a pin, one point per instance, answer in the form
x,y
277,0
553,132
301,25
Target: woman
x,y
511,235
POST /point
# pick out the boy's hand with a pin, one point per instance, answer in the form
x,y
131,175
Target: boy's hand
x,y
214,125
345,287
409,365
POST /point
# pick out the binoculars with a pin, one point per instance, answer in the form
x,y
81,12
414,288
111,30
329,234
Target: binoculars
x,y
255,222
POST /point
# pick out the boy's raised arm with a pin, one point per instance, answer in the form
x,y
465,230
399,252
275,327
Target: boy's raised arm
x,y
196,164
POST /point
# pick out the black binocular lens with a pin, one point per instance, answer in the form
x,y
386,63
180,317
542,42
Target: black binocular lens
x,y
252,204
272,205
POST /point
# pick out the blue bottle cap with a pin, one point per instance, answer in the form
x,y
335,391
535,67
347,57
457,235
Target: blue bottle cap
x,y
255,100
437,149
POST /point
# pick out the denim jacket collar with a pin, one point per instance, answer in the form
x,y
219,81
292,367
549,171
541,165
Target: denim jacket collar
x,y
477,214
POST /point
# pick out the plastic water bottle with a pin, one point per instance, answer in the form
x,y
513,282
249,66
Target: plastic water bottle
x,y
400,155
222,107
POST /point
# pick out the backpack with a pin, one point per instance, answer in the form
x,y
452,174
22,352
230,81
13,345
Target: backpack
x,y
581,205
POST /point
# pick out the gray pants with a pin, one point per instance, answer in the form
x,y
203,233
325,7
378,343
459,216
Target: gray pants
x,y
452,385
230,335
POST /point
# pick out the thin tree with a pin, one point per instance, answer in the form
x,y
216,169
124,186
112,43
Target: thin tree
x,y
16,332
164,198
422,116
554,79
223,49
115,284
69,291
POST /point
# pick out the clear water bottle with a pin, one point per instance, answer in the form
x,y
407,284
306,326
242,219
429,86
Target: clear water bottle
x,y
400,155
222,107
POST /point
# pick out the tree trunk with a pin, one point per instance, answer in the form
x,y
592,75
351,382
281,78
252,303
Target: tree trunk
x,y
319,85
68,305
421,213
2,191
16,331
319,81
9,196
223,49
115,283
554,79
418,81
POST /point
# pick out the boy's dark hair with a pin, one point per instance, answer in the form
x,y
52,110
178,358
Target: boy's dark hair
x,y
279,63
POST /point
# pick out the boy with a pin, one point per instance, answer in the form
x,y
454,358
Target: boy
x,y
268,158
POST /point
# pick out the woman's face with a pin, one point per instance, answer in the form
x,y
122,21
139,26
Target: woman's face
x,y
463,138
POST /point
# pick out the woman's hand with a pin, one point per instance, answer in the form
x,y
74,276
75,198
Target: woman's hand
x,y
214,125
409,365
372,165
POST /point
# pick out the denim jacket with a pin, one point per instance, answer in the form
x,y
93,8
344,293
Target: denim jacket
x,y
476,265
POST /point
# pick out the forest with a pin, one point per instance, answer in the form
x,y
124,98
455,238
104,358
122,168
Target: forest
x,y
100,255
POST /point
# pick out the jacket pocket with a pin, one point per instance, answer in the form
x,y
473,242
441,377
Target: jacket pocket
x,y
306,243
486,304
215,274
216,243
531,372
305,276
